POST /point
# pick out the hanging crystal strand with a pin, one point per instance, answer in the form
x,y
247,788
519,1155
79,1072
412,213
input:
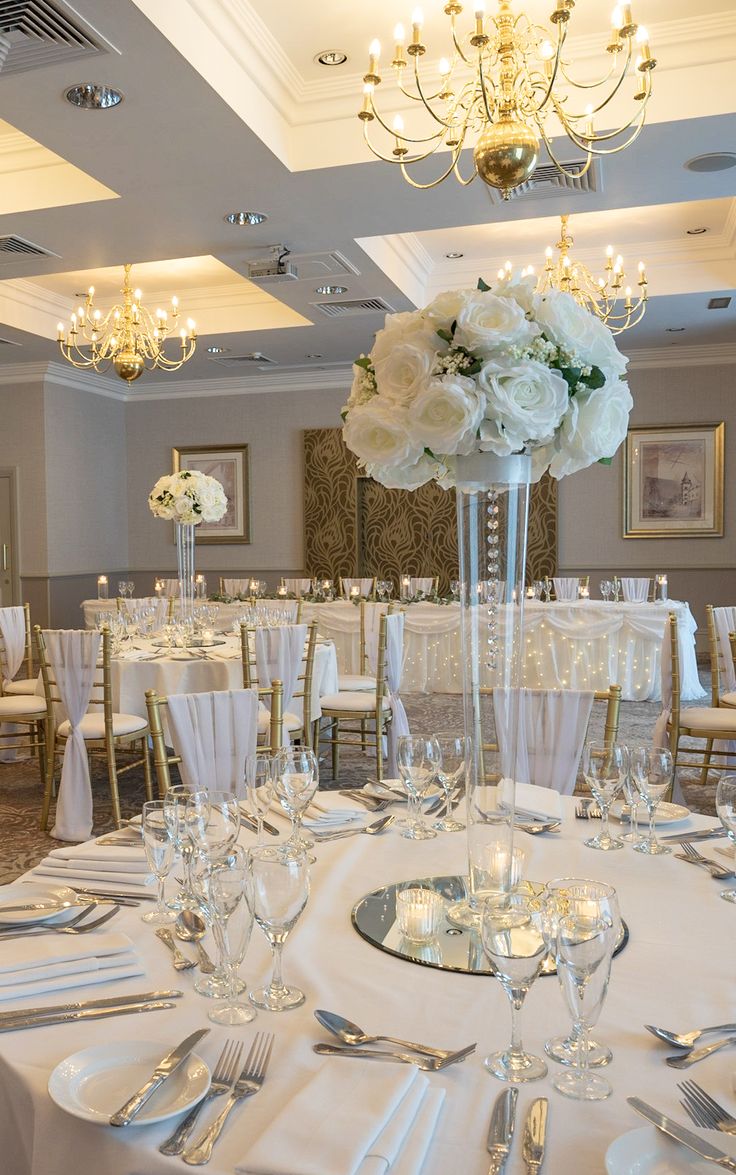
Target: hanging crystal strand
x,y
493,585
185,561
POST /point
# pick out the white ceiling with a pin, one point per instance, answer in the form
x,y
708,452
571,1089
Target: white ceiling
x,y
225,108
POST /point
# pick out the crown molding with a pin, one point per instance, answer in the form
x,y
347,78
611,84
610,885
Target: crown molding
x,y
695,355
337,379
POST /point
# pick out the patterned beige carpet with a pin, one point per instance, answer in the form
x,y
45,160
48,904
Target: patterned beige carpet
x,y
22,844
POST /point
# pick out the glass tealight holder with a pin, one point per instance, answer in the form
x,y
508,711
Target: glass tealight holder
x,y
102,587
660,589
419,913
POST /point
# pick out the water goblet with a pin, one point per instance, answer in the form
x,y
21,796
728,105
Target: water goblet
x,y
638,760
616,589
653,784
160,851
231,904
584,953
296,779
217,984
280,892
454,754
726,809
130,586
212,819
604,767
511,932
174,803
419,762
606,587
122,588
538,588
455,589
259,783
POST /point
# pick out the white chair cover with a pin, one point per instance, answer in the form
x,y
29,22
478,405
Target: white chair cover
x,y
566,588
236,587
279,657
635,591
13,634
297,587
421,584
73,657
365,585
214,733
160,604
171,587
394,668
725,622
550,735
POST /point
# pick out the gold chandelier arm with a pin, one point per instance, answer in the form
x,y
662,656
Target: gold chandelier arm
x,y
426,102
460,179
587,144
601,81
432,183
458,47
437,139
561,166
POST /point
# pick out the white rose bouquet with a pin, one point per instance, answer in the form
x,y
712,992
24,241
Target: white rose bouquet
x,y
503,370
188,497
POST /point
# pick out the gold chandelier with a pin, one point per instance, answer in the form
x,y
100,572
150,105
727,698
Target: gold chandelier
x,y
499,85
608,296
128,338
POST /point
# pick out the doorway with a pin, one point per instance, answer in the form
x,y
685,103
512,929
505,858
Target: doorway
x,y
9,586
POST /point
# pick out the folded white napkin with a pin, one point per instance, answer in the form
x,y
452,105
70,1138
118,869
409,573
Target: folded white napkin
x,y
541,802
379,1122
337,818
41,965
131,883
101,858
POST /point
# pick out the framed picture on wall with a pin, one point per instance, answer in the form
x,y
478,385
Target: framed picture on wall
x,y
673,481
229,464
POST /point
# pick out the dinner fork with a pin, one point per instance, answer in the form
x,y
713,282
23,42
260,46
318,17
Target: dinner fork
x,y
223,1079
249,1082
374,829
73,927
689,853
704,1110
587,811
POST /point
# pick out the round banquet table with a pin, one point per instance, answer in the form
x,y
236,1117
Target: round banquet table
x,y
587,644
676,971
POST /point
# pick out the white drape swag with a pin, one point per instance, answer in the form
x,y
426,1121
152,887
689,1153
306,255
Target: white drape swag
x,y
214,733
394,666
297,586
279,656
13,633
236,587
566,588
73,657
635,591
551,732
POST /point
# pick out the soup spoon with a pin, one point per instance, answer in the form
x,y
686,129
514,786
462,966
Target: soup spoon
x,y
686,1040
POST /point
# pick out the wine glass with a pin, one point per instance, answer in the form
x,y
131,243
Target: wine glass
x,y
231,904
122,588
296,778
726,809
455,589
454,754
259,783
638,760
419,762
584,952
280,892
561,897
174,804
511,932
160,851
212,820
653,785
606,587
604,767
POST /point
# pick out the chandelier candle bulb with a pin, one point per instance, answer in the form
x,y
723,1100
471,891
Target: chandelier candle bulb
x,y
399,60
366,114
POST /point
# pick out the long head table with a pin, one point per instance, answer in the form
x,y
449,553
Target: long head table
x,y
677,971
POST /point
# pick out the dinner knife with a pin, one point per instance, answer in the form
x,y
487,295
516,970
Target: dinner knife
x,y
535,1135
113,1001
501,1130
703,834
39,907
164,1069
686,1137
32,1021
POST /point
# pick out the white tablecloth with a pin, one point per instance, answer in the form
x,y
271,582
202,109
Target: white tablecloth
x,y
582,645
676,971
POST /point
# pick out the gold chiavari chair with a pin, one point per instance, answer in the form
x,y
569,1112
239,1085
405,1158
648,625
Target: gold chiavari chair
x,y
163,760
26,710
299,730
728,698
707,724
363,707
27,683
106,733
362,680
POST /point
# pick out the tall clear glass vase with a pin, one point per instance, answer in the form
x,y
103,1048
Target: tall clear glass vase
x,y
185,562
492,520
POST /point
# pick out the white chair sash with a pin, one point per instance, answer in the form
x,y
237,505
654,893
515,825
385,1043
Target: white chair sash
x,y
725,622
214,733
72,656
279,656
365,586
394,668
423,584
566,588
13,633
237,587
551,728
297,587
635,591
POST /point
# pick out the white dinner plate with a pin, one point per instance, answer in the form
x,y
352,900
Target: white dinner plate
x,y
649,1152
20,892
665,814
97,1081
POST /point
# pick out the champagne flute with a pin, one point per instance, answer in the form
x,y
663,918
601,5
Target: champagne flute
x,y
231,904
604,767
638,760
259,783
160,851
296,779
174,803
511,932
454,755
419,762
726,809
584,953
653,785
280,892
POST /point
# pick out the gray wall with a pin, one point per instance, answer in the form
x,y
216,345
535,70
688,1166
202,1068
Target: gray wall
x,y
22,447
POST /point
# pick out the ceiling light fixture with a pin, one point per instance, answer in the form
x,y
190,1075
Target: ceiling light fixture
x,y
128,338
331,290
713,161
331,57
695,232
217,350
242,219
498,85
93,96
454,256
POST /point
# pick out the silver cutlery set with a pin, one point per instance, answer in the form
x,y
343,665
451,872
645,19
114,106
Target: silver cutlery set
x,y
408,1052
686,1041
97,1009
501,1132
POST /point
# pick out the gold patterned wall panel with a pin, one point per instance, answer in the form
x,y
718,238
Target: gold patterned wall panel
x,y
353,525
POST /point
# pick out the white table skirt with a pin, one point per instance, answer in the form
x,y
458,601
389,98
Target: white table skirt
x,y
677,970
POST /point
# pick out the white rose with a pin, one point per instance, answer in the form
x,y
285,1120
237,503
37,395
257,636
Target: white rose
x,y
493,439
594,427
445,416
404,370
522,289
579,331
404,477
377,434
528,401
487,323
362,389
444,309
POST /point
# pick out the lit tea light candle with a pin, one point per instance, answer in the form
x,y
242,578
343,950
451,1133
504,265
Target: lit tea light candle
x,y
530,593
253,586
199,586
419,913
583,592
281,591
661,586
354,592
158,587
101,587
326,585
208,636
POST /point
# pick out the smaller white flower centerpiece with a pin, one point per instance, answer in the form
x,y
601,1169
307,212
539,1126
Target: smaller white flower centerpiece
x,y
501,370
189,497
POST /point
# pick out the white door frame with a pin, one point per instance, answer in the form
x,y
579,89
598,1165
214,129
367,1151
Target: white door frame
x,y
11,472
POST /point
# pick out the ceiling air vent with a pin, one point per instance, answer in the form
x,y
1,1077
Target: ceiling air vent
x,y
719,303
354,306
546,180
253,361
12,247
36,33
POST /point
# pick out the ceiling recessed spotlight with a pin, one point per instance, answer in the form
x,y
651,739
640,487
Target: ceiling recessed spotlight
x,y
245,218
217,350
93,96
453,256
696,232
331,57
713,161
674,330
331,290
313,355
